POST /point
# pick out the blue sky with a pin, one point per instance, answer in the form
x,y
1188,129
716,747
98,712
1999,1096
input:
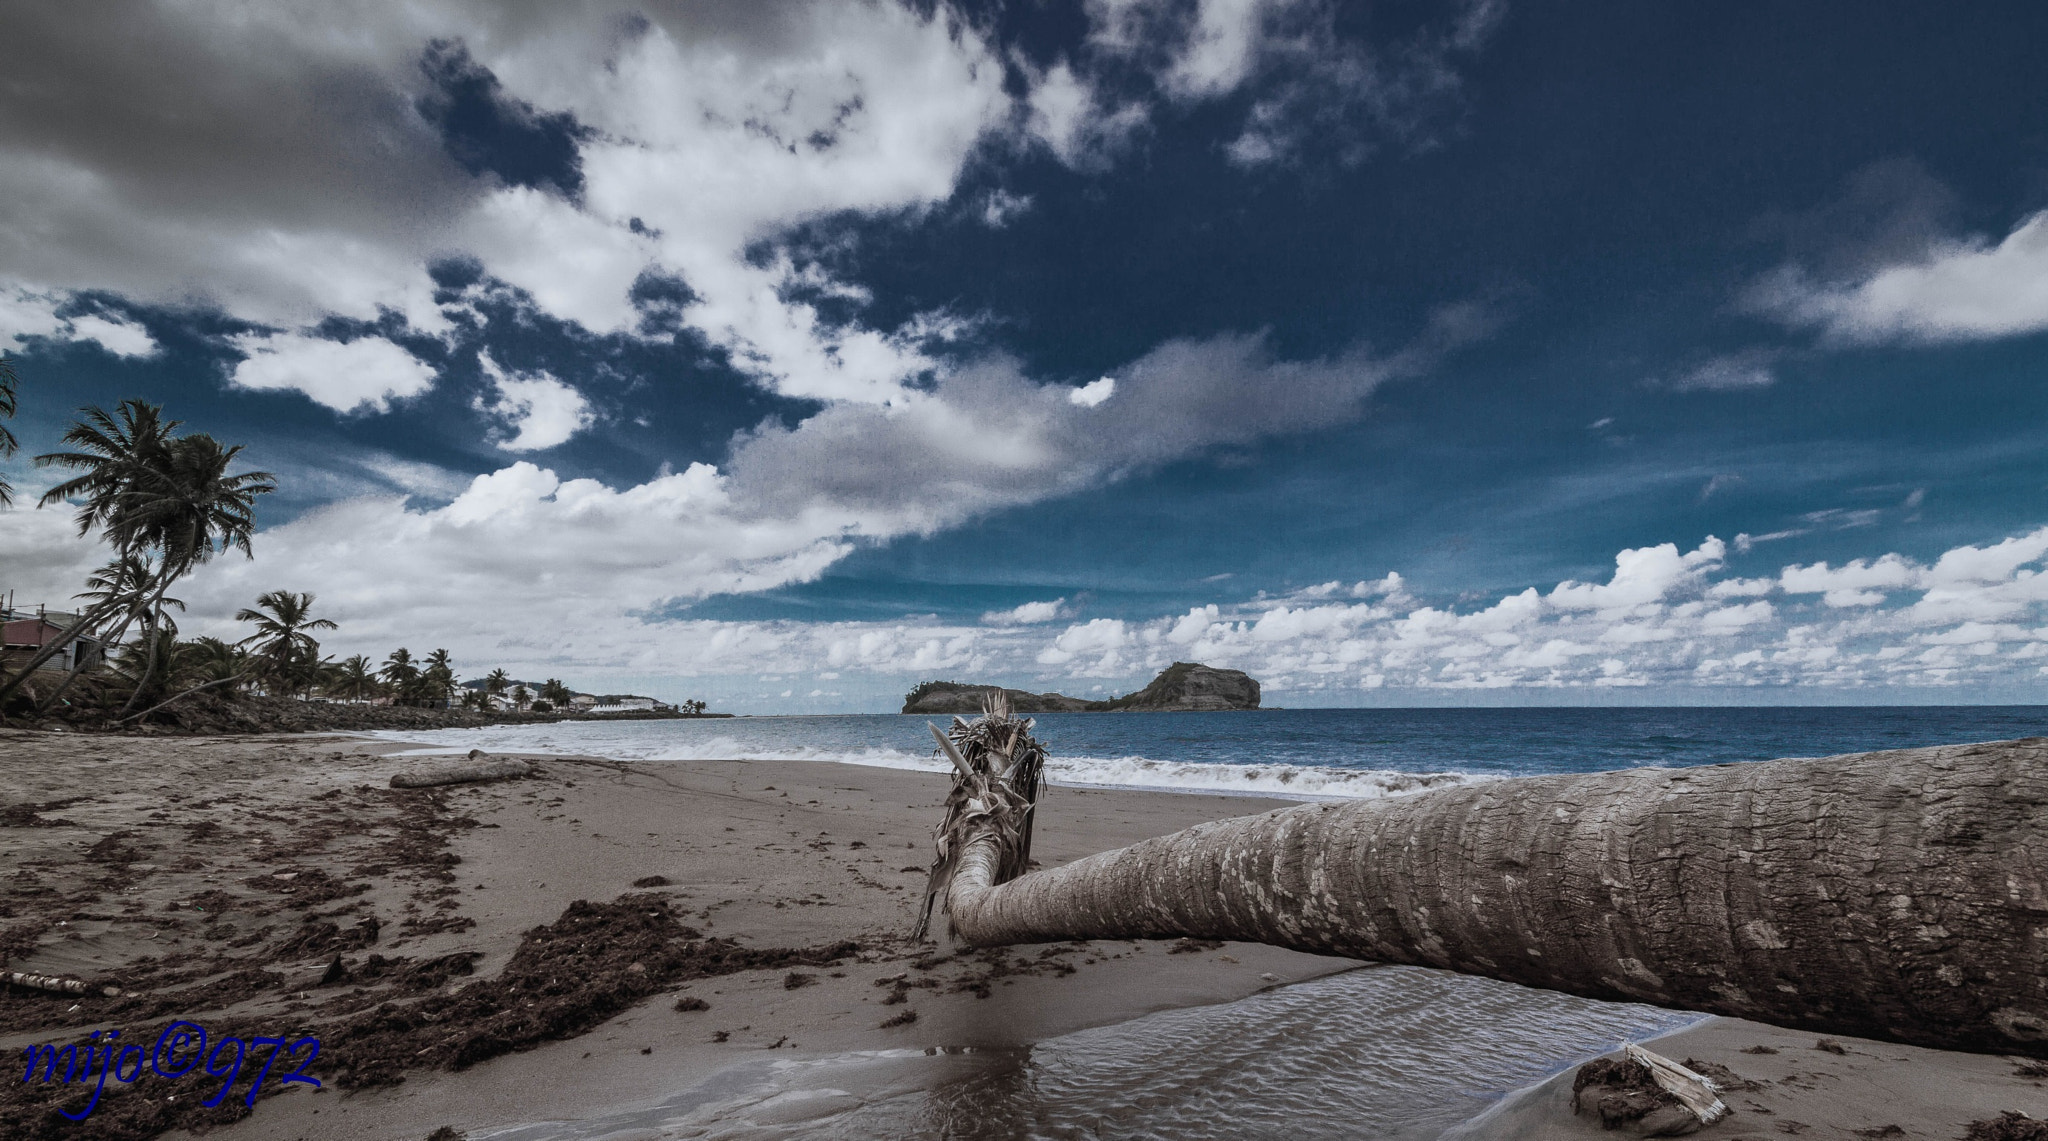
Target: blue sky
x,y
788,354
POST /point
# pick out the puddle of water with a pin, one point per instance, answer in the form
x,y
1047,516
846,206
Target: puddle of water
x,y
1397,1053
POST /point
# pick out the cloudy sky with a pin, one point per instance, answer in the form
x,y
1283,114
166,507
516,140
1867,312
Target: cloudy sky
x,y
786,354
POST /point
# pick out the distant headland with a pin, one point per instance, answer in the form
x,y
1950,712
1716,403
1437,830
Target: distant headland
x,y
1180,687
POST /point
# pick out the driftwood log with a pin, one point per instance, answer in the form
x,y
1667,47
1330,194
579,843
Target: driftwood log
x,y
1896,895
478,767
57,983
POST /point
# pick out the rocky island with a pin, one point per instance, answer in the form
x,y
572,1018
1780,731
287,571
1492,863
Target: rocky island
x,y
1184,687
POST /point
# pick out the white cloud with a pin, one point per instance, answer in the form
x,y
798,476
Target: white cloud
x,y
1027,614
364,374
1732,373
285,173
584,600
28,312
540,411
1093,393
1954,291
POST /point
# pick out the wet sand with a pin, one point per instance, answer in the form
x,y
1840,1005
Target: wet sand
x,y
108,834
220,878
1790,1086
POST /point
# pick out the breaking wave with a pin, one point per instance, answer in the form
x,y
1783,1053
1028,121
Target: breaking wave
x,y
1289,781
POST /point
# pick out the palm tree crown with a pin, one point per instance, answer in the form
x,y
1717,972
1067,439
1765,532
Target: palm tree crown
x,y
281,641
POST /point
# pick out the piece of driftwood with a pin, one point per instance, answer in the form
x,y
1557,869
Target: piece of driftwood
x,y
480,767
58,983
1693,1090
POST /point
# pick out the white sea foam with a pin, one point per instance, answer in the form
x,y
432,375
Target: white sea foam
x,y
1295,782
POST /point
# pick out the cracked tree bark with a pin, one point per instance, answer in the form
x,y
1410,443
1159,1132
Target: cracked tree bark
x,y
1896,895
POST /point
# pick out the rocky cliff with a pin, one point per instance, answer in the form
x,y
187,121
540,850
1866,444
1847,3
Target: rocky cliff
x,y
1182,686
1192,687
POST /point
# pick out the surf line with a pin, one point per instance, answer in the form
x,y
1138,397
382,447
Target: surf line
x,y
101,1052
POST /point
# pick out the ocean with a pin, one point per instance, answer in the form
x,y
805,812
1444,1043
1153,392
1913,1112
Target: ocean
x,y
1294,753
1382,1052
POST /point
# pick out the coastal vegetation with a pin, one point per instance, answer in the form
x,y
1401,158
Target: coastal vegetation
x,y
1892,895
166,502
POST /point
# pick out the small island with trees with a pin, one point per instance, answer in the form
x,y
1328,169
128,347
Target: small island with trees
x,y
1183,687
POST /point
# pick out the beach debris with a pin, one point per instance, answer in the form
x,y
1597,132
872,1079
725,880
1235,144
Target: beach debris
x,y
2008,1126
480,767
1830,1046
1647,1094
58,983
903,1019
1687,1085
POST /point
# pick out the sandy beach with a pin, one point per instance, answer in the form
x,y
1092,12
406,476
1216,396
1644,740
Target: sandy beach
x,y
733,909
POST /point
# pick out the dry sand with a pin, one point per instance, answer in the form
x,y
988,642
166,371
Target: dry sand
x,y
219,877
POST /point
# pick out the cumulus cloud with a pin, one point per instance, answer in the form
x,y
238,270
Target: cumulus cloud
x,y
27,312
1094,392
1664,618
288,164
365,374
1028,614
1951,290
538,410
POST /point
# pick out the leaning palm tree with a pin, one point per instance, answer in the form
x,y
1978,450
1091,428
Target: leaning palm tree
x,y
1898,895
130,585
150,493
8,381
282,640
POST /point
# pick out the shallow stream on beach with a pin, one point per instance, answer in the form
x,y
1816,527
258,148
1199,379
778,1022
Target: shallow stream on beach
x,y
1398,1053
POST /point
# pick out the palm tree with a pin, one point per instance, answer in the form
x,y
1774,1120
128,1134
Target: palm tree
x,y
519,696
211,660
281,644
438,679
130,586
1885,895
496,683
8,444
555,693
402,674
354,680
152,494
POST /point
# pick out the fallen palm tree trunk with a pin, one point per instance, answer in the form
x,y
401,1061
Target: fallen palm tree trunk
x,y
1897,895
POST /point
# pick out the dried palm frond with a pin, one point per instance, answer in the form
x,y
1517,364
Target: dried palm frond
x,y
998,771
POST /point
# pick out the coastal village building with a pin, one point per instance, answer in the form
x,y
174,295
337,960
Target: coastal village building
x,y
27,632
